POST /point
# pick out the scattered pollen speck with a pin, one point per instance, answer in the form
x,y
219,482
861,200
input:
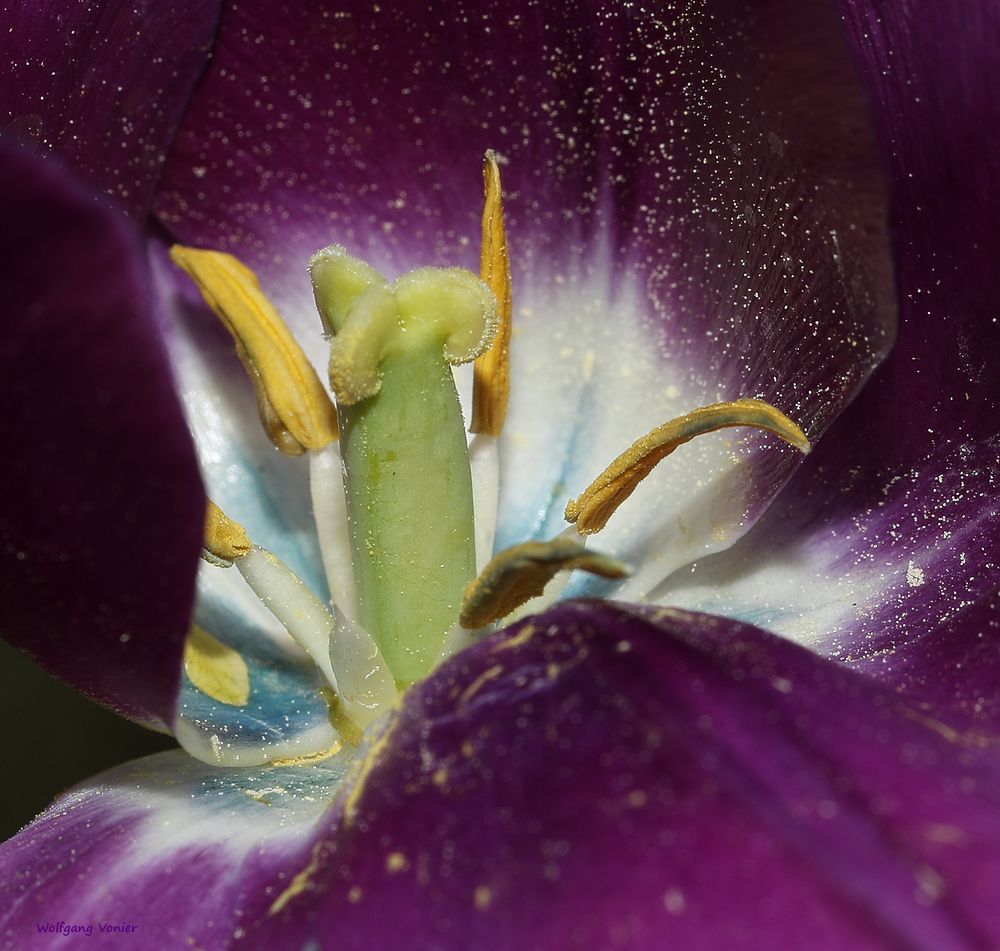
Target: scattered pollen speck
x,y
914,575
396,862
354,895
674,901
483,898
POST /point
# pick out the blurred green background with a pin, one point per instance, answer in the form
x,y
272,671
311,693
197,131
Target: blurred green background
x,y
54,738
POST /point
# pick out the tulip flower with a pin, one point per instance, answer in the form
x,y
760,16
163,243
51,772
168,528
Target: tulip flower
x,y
776,729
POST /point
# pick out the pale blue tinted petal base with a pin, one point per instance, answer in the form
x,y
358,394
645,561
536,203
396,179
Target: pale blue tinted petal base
x,y
286,715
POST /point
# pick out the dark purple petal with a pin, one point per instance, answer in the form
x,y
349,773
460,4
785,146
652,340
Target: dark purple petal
x,y
174,850
929,74
698,186
103,83
602,777
888,539
101,504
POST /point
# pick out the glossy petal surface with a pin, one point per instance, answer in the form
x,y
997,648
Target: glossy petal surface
x,y
887,540
600,777
176,849
103,84
100,521
694,213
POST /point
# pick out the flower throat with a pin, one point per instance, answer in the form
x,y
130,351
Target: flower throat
x,y
405,505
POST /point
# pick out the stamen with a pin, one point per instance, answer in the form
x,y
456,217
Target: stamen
x,y
520,573
225,540
602,497
216,669
294,407
344,652
491,373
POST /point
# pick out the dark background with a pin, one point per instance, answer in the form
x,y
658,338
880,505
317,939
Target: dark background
x,y
55,738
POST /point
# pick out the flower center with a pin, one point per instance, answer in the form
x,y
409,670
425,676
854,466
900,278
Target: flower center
x,y
405,506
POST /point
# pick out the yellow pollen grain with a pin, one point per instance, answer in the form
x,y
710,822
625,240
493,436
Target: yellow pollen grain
x,y
483,897
396,862
520,573
363,767
295,409
225,539
308,759
354,894
484,678
216,669
491,372
339,719
619,480
521,638
300,883
637,799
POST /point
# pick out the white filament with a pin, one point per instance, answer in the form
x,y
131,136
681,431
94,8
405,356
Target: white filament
x,y
458,638
344,652
484,462
326,485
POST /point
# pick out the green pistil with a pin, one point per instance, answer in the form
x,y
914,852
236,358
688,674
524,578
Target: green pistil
x,y
406,465
409,505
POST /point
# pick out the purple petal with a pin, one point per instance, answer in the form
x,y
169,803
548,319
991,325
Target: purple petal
x,y
604,777
695,212
103,84
887,540
169,846
929,76
102,506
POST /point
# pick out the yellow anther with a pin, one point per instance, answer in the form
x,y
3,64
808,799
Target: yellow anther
x,y
216,669
520,573
225,540
615,484
491,378
295,409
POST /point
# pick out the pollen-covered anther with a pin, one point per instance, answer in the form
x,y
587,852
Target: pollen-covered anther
x,y
491,376
520,573
295,409
225,540
615,484
448,310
